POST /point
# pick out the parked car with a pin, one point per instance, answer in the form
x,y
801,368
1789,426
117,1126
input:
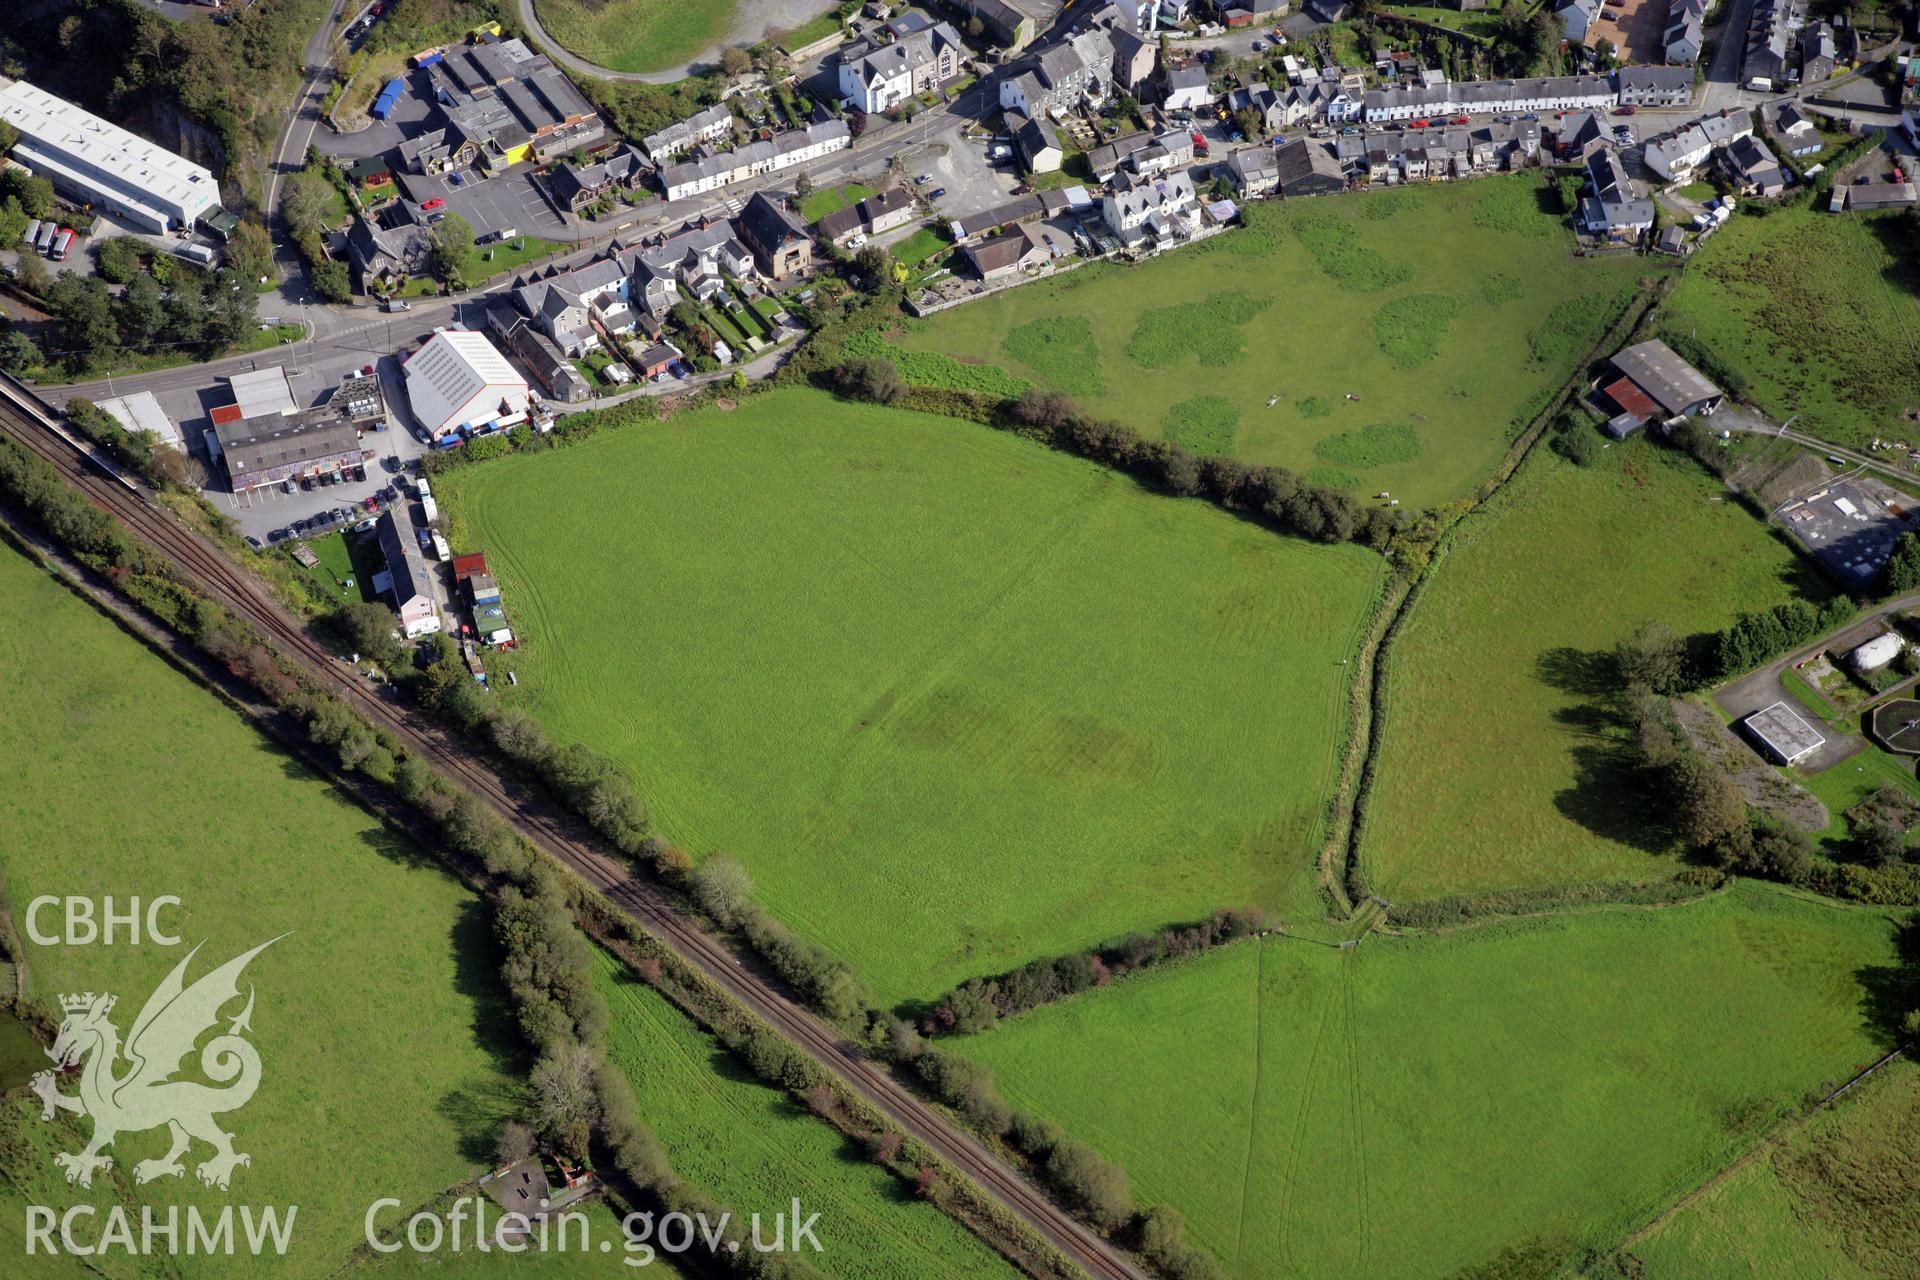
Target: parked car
x,y
936,193
359,473
458,179
306,482
1463,120
289,486
1024,189
432,204
923,180
1625,109
255,543
1258,45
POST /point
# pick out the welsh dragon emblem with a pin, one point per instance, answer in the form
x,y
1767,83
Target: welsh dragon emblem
x,y
146,1095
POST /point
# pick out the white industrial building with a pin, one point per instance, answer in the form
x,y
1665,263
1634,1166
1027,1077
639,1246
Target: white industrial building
x,y
459,382
141,411
103,165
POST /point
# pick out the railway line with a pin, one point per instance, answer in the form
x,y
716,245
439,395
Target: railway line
x,y
35,426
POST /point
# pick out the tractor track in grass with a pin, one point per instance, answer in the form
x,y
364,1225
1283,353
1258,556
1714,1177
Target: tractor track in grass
x,y
35,426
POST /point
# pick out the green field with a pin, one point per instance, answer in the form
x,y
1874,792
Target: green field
x,y
955,699
1815,315
636,35
388,1052
755,1149
1413,1107
1840,1201
1494,771
1445,312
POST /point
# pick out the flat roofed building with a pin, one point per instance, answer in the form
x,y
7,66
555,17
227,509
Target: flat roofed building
x,y
459,379
103,164
141,411
1669,381
276,447
1783,734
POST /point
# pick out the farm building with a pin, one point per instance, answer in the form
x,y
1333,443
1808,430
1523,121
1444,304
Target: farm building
x,y
1876,653
1652,381
405,576
458,380
1783,734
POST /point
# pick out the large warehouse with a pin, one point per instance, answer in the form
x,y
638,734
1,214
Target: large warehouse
x,y
103,165
458,382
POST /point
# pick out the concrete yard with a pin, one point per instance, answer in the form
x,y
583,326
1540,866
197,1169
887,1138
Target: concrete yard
x,y
1850,526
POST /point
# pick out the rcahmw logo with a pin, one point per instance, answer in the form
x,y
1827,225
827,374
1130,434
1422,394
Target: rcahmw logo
x,y
131,1087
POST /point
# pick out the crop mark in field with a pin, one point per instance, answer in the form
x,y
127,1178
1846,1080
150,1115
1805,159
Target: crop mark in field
x,y
1253,1103
1356,1128
1297,1141
924,674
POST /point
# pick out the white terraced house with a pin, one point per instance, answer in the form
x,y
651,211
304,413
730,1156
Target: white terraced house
x,y
1488,97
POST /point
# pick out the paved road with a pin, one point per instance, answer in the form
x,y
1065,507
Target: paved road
x,y
291,151
559,837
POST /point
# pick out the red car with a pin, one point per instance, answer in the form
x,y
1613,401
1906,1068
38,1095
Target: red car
x,y
1419,124
1626,110
433,204
1462,120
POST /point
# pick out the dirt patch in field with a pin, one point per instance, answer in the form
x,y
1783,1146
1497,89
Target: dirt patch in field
x,y
1766,788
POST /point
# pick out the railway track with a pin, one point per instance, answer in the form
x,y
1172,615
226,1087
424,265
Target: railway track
x,y
35,427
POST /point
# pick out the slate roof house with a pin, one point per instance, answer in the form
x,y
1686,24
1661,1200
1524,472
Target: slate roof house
x,y
1676,154
1655,86
388,256
1187,88
405,576
878,79
1164,208
1007,254
779,240
574,187
1037,143
1254,171
1610,210
1683,36
682,136
1578,16
1054,80
1792,129
1749,163
764,155
1007,27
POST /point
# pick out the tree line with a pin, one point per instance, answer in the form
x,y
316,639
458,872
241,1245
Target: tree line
x,y
979,1003
1274,496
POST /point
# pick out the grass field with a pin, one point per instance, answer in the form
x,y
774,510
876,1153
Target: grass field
x,y
955,699
1840,1201
1412,1108
118,776
755,1149
1495,771
1816,316
1319,301
825,200
636,35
